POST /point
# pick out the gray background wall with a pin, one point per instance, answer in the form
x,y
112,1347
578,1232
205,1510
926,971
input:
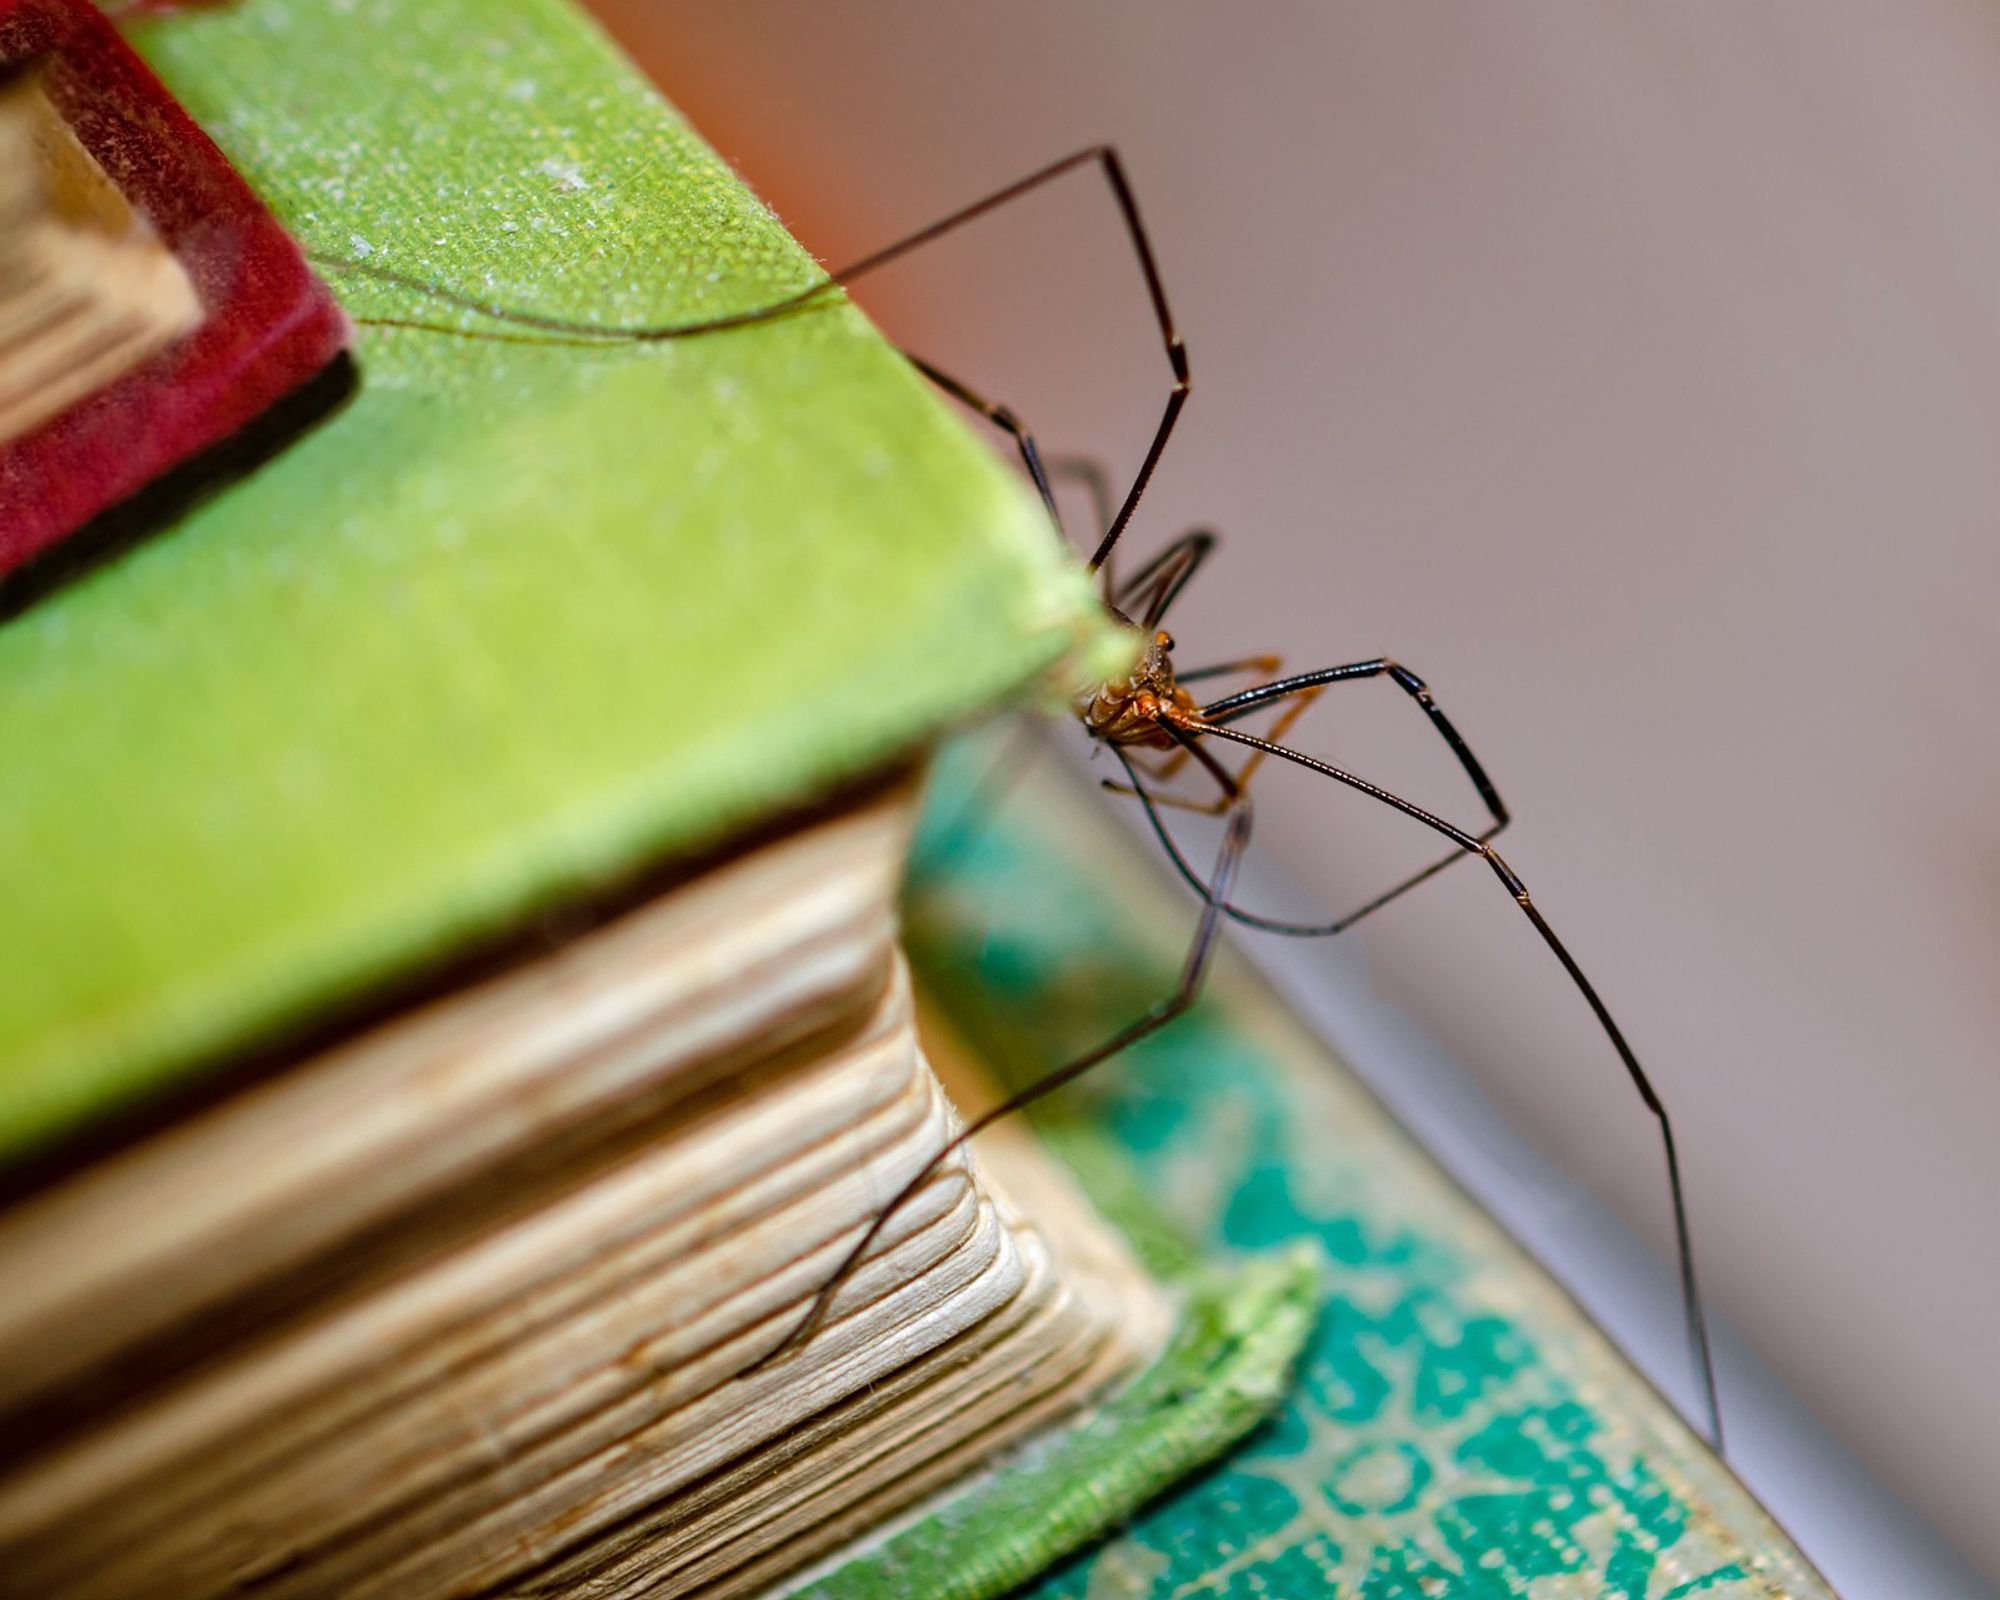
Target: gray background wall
x,y
1634,373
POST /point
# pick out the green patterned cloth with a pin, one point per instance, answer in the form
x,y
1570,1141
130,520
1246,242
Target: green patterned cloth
x,y
1226,1368
1458,1430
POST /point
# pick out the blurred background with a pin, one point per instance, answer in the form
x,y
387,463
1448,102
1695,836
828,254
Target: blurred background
x,y
1634,375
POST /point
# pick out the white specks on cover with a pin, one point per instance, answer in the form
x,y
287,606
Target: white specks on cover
x,y
568,175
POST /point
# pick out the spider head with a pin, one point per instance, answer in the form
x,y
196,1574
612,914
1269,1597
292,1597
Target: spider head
x,y
1155,670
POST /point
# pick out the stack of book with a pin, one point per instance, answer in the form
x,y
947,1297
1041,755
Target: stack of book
x,y
474,1296
452,1023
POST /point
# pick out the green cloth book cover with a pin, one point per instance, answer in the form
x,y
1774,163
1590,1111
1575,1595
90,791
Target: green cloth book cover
x,y
522,617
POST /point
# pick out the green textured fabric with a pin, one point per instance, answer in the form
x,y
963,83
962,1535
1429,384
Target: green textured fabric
x,y
1458,1430
1224,1371
521,618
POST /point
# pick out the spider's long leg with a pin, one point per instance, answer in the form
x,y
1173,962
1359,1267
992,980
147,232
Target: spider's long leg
x,y
1003,418
1113,169
1222,669
1096,481
1221,713
1301,703
1105,158
1472,844
1146,595
1168,572
1236,836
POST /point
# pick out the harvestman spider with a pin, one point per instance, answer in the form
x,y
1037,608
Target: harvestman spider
x,y
1149,711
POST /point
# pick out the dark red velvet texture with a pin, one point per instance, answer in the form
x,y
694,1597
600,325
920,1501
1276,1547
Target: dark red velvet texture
x,y
270,323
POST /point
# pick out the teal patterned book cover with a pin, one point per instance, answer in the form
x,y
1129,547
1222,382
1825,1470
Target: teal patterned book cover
x,y
1457,1429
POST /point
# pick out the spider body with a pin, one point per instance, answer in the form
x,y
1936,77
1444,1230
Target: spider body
x,y
1130,709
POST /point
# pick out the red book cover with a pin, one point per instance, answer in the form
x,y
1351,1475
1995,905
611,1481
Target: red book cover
x,y
268,326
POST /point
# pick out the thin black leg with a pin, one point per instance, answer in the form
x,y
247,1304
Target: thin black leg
x,y
1097,484
1146,596
1221,713
1106,159
1232,707
1003,418
1103,156
1223,669
1472,844
1236,836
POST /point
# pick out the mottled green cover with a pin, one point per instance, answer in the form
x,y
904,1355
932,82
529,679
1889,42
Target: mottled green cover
x,y
1225,1369
524,616
1458,1429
